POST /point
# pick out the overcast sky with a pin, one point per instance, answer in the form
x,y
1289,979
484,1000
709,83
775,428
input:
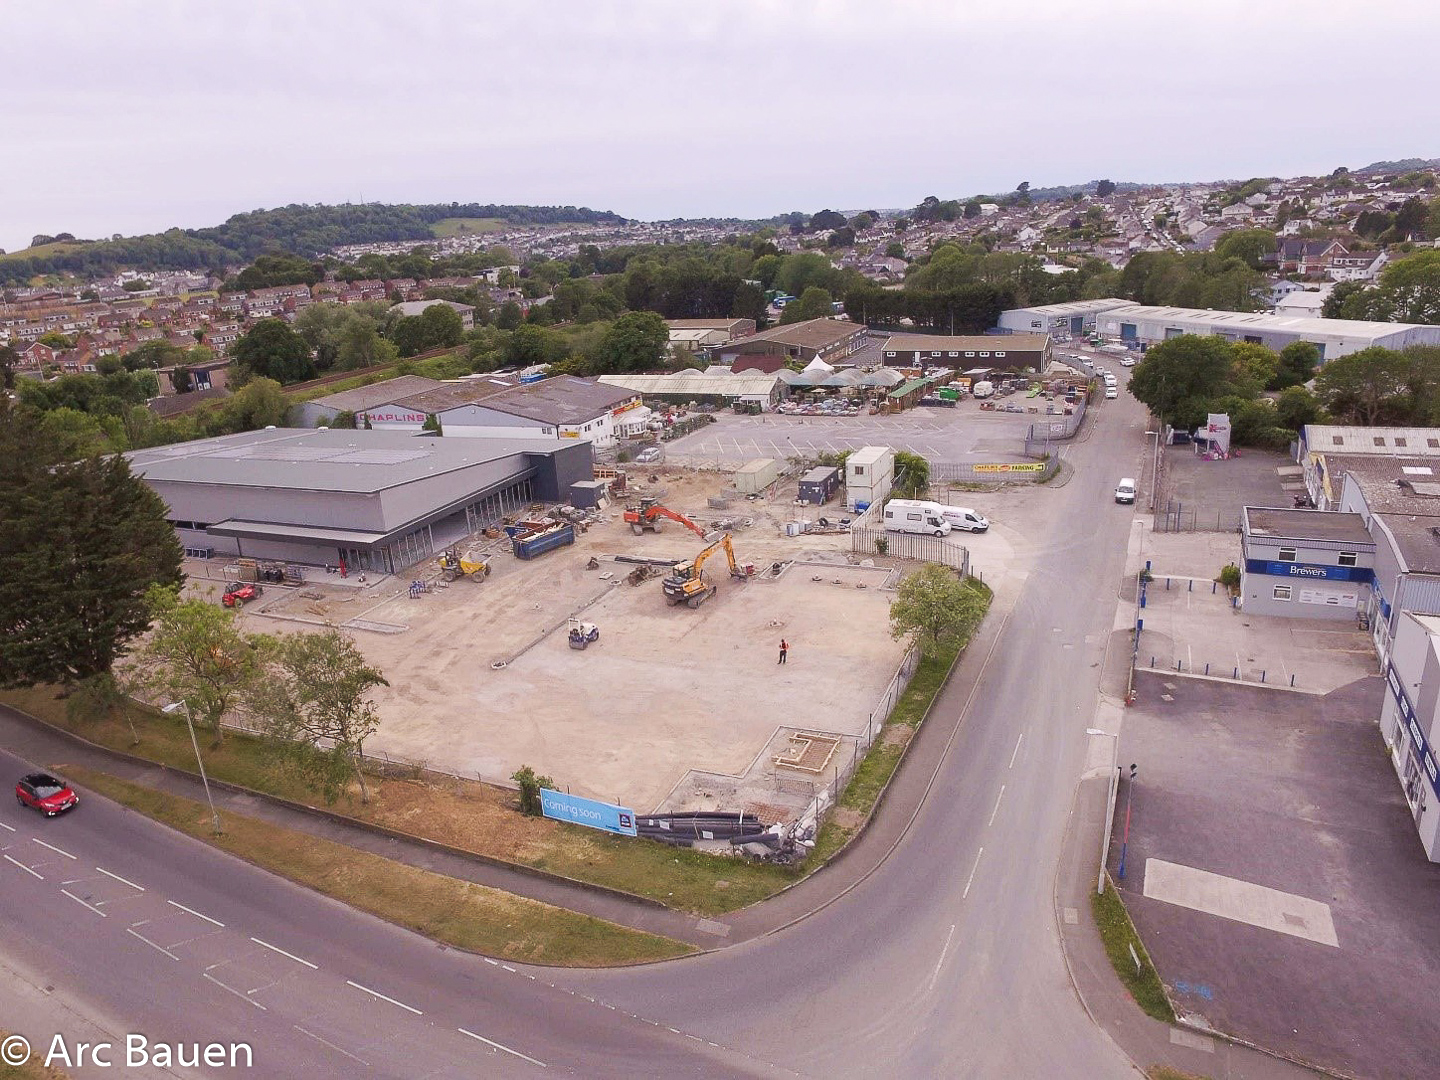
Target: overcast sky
x,y
133,117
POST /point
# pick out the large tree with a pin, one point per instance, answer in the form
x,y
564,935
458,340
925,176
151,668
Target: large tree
x,y
80,544
635,342
196,652
1178,377
933,605
270,349
314,697
1363,386
814,304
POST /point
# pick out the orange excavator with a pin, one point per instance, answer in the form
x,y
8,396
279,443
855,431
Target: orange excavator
x,y
649,514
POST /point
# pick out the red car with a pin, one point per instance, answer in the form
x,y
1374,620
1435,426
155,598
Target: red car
x,y
48,794
239,595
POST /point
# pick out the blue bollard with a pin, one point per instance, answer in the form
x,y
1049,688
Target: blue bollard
x,y
1237,674
1167,584
1292,680
1207,668
1262,676
1139,625
1177,665
1147,564
1213,586
1192,586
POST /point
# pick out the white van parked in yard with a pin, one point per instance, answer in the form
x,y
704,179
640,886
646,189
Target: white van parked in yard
x,y
914,516
962,518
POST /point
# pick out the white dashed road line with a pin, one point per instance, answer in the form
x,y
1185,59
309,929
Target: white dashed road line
x,y
27,869
120,879
282,952
382,997
971,879
52,847
497,1046
83,904
332,1046
192,911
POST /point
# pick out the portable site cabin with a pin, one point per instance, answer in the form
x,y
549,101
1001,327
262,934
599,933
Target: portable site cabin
x,y
755,476
819,485
869,475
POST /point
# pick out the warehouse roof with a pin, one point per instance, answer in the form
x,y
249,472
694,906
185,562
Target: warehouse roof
x,y
451,395
1417,539
561,400
318,459
743,384
1076,307
812,333
1287,524
705,324
1397,485
1294,324
1372,441
969,343
380,393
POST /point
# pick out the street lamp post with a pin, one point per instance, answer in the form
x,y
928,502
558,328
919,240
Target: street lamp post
x,y
183,705
1109,800
1154,468
1125,838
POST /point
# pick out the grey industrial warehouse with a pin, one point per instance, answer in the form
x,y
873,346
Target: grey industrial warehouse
x,y
379,500
1010,351
1333,337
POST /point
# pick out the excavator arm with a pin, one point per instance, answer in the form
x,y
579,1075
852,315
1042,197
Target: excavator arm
x,y
663,511
722,544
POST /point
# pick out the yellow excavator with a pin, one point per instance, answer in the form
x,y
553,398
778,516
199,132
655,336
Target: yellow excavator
x,y
687,581
454,566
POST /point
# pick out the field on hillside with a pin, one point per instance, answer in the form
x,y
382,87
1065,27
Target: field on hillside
x,y
465,226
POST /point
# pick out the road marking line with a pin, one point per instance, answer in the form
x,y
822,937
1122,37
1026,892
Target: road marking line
x,y
382,997
72,881
997,804
120,879
82,903
507,967
8,828
152,944
52,847
197,914
487,959
25,868
282,952
327,1042
943,953
971,879
232,990
1017,749
497,1046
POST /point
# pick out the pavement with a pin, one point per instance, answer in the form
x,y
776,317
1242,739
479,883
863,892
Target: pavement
x,y
1208,495
1305,906
929,948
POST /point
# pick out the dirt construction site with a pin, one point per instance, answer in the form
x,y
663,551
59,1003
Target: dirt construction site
x,y
672,708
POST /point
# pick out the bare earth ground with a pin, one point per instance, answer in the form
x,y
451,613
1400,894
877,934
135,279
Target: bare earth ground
x,y
665,690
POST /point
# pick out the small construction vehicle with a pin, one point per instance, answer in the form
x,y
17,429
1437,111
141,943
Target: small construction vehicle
x,y
454,566
239,593
583,634
649,514
687,581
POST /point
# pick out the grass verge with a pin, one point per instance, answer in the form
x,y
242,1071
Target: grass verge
x,y
34,1069
873,774
458,913
1118,934
464,814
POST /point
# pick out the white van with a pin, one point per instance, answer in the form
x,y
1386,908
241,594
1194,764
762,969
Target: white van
x,y
913,516
962,518
1125,490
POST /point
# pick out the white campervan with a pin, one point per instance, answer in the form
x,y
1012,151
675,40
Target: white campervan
x,y
912,516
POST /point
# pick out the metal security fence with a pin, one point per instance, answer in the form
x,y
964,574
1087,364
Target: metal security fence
x,y
876,540
1179,517
1022,472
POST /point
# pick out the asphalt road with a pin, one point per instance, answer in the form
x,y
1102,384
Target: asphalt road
x,y
945,962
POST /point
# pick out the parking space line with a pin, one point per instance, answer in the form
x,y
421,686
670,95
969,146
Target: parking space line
x,y
497,1046
27,869
120,879
7,828
52,847
282,952
382,997
83,904
197,914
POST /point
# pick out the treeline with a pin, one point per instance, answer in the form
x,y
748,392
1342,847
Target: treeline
x,y
966,309
298,230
